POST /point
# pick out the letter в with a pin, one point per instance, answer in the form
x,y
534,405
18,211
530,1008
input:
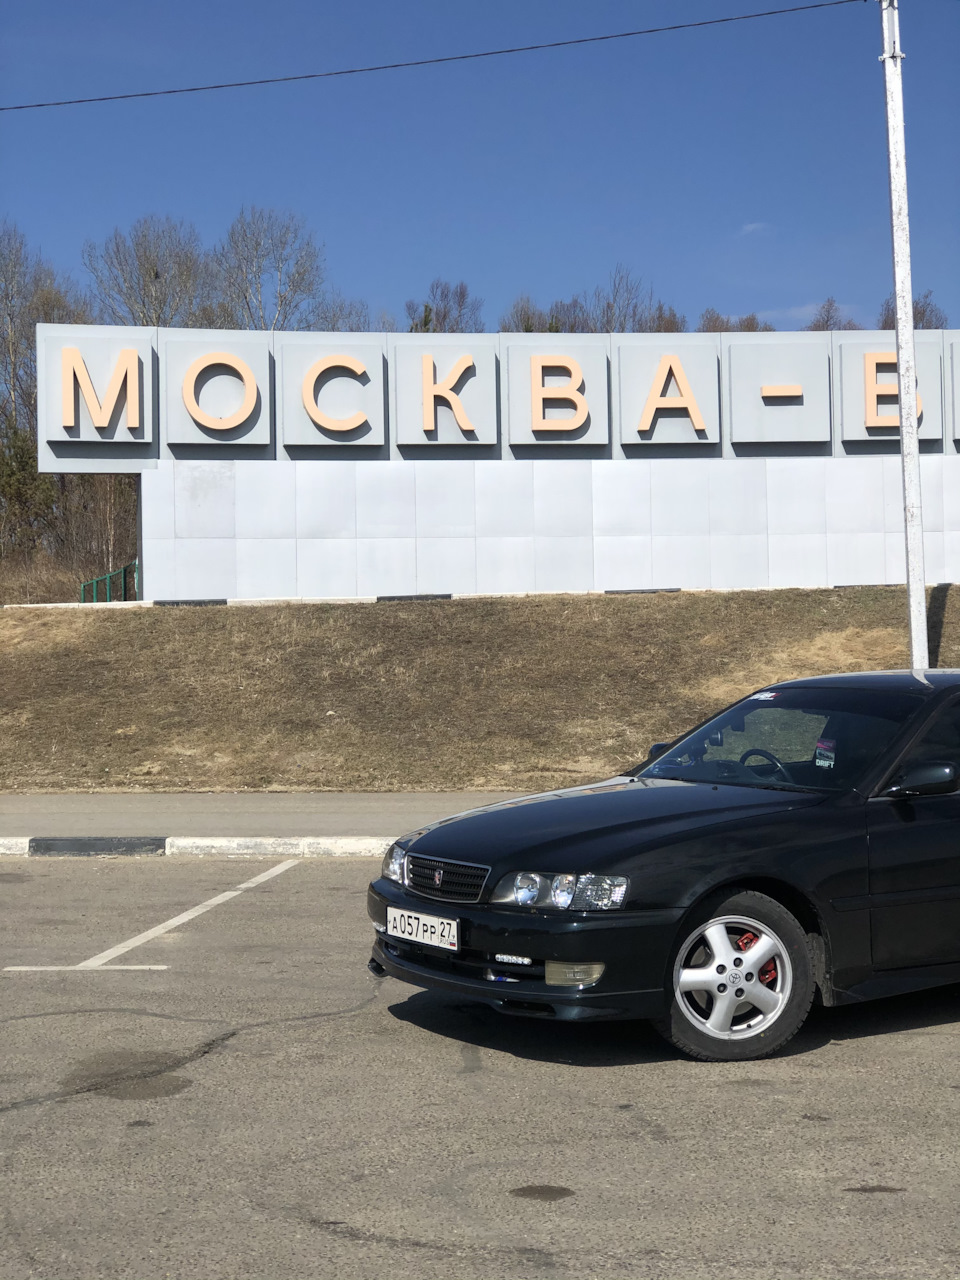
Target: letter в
x,y
569,393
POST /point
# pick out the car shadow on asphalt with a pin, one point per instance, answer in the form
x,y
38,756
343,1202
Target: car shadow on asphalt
x,y
919,1011
576,1044
606,1044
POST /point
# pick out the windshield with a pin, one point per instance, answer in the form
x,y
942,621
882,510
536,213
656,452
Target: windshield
x,y
817,739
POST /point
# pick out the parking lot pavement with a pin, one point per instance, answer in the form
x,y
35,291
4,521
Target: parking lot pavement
x,y
262,1106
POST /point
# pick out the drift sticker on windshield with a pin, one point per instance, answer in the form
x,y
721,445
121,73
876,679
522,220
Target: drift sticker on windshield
x,y
825,755
762,697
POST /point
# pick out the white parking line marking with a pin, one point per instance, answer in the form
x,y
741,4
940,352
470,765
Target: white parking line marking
x,y
100,961
73,968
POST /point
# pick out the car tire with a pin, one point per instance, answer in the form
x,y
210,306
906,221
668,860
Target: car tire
x,y
713,981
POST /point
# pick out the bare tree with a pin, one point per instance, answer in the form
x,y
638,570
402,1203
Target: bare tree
x,y
448,309
270,271
624,306
337,314
665,319
31,293
158,273
525,316
87,523
926,313
711,321
828,316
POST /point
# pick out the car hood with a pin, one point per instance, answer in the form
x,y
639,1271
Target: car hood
x,y
569,830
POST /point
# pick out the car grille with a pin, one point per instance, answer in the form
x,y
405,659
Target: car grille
x,y
459,881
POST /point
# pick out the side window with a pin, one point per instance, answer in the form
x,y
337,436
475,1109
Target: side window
x,y
941,741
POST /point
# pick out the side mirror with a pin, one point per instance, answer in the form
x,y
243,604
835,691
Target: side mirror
x,y
657,749
932,778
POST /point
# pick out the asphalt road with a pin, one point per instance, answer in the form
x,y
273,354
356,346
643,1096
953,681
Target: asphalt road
x,y
263,1107
245,813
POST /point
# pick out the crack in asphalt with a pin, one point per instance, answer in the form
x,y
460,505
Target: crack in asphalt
x,y
111,1079
174,1064
76,1013
344,1231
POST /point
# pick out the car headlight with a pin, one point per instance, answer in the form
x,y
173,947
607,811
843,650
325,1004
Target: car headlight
x,y
578,893
527,888
392,868
562,890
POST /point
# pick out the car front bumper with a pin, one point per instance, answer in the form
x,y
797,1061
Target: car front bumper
x,y
634,947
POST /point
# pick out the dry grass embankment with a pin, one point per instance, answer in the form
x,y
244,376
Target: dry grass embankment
x,y
38,579
489,693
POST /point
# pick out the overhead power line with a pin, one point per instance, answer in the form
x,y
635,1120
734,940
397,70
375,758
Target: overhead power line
x,y
427,62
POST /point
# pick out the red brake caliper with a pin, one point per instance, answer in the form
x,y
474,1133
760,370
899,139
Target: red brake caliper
x,y
768,972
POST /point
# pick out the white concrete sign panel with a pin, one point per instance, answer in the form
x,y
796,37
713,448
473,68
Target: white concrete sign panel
x,y
447,389
330,393
96,388
215,387
869,403
557,389
669,389
780,389
335,465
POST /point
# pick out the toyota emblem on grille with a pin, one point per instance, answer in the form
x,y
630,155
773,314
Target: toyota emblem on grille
x,y
438,877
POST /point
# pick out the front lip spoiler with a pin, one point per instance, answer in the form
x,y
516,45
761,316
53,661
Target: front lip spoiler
x,y
556,1002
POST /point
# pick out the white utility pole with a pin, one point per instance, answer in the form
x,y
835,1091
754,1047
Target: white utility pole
x,y
906,354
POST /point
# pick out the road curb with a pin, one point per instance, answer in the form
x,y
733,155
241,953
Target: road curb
x,y
194,846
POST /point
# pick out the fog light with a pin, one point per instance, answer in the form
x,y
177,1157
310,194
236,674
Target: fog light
x,y
558,973
513,959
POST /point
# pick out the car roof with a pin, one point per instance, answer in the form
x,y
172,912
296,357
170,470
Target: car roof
x,y
926,683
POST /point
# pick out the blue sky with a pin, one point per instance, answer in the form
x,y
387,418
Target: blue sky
x,y
739,167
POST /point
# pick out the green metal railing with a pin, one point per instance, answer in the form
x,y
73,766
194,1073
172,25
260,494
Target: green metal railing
x,y
121,584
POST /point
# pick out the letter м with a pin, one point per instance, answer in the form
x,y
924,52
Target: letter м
x,y
126,376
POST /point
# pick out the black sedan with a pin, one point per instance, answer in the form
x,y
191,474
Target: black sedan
x,y
806,840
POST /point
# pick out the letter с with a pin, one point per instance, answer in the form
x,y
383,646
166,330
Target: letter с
x,y
568,393
126,376
308,393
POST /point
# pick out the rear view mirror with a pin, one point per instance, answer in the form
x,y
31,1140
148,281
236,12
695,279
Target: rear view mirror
x,y
932,778
715,739
657,749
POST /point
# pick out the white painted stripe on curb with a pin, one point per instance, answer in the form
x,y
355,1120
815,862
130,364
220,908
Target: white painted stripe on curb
x,y
278,847
236,847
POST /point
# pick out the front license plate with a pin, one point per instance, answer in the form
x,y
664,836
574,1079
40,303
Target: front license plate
x,y
431,931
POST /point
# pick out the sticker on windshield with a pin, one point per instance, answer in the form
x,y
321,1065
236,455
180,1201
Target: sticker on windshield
x,y
766,696
826,753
